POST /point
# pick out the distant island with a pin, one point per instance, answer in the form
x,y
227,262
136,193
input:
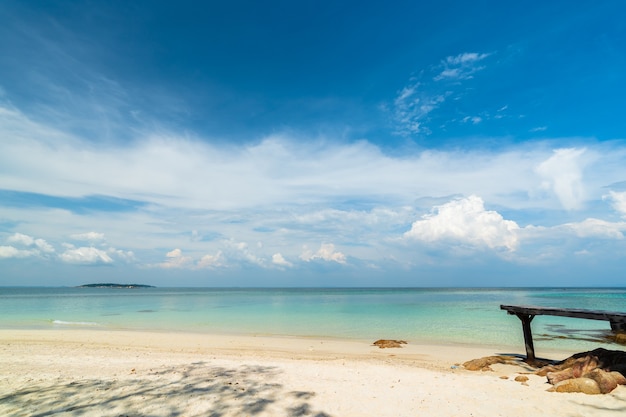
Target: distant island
x,y
109,285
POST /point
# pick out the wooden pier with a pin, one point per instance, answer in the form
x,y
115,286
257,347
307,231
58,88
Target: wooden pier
x,y
527,313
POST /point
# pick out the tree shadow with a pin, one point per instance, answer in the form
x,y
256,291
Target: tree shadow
x,y
194,390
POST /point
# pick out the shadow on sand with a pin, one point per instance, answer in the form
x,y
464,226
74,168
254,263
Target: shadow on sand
x,y
192,390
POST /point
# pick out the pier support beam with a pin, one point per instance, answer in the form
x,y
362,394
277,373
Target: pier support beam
x,y
528,335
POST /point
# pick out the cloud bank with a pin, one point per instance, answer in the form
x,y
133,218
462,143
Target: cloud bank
x,y
268,204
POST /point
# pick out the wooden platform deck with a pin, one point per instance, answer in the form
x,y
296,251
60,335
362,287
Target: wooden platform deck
x,y
527,313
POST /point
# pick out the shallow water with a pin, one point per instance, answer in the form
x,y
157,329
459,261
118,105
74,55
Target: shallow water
x,y
432,315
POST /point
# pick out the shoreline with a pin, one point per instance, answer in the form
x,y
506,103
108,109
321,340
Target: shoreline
x,y
111,373
280,346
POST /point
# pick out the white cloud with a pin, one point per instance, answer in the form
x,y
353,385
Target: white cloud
x,y
284,190
460,67
241,252
127,256
618,201
178,172
12,252
278,259
412,106
40,244
21,239
414,103
597,228
326,252
563,174
44,246
465,221
175,259
89,236
474,119
85,256
211,261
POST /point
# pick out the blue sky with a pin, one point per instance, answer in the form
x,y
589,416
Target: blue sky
x,y
313,143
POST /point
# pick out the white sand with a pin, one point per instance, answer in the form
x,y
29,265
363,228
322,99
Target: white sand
x,y
108,373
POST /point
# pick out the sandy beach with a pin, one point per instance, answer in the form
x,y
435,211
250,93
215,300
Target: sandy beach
x,y
119,373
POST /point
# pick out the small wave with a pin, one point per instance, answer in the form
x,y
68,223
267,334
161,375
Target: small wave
x,y
74,323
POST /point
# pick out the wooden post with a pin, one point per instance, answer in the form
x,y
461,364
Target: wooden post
x,y
618,326
528,335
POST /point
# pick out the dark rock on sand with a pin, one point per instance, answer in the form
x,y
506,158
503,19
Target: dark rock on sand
x,y
384,343
484,364
598,371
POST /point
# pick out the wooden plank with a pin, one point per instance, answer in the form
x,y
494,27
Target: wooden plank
x,y
611,316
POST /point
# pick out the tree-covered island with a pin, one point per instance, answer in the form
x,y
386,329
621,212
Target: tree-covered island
x,y
111,285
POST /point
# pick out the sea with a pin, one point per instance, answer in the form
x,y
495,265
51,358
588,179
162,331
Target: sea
x,y
451,316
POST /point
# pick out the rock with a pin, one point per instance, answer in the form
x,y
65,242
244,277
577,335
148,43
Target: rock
x,y
384,343
607,381
620,338
584,385
619,377
575,369
484,364
521,378
606,368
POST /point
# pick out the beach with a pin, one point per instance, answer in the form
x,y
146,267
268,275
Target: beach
x,y
77,372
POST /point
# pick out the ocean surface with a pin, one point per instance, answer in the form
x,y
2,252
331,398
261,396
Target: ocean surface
x,y
431,315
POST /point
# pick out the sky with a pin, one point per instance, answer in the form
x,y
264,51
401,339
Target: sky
x,y
313,143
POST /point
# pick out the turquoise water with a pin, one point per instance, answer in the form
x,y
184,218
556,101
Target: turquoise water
x,y
450,316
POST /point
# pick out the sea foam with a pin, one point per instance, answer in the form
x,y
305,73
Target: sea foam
x,y
74,323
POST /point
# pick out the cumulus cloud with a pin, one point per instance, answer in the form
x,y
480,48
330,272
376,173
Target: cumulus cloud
x,y
127,256
22,239
211,261
326,252
12,252
241,252
85,256
278,259
465,221
39,245
563,175
175,259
